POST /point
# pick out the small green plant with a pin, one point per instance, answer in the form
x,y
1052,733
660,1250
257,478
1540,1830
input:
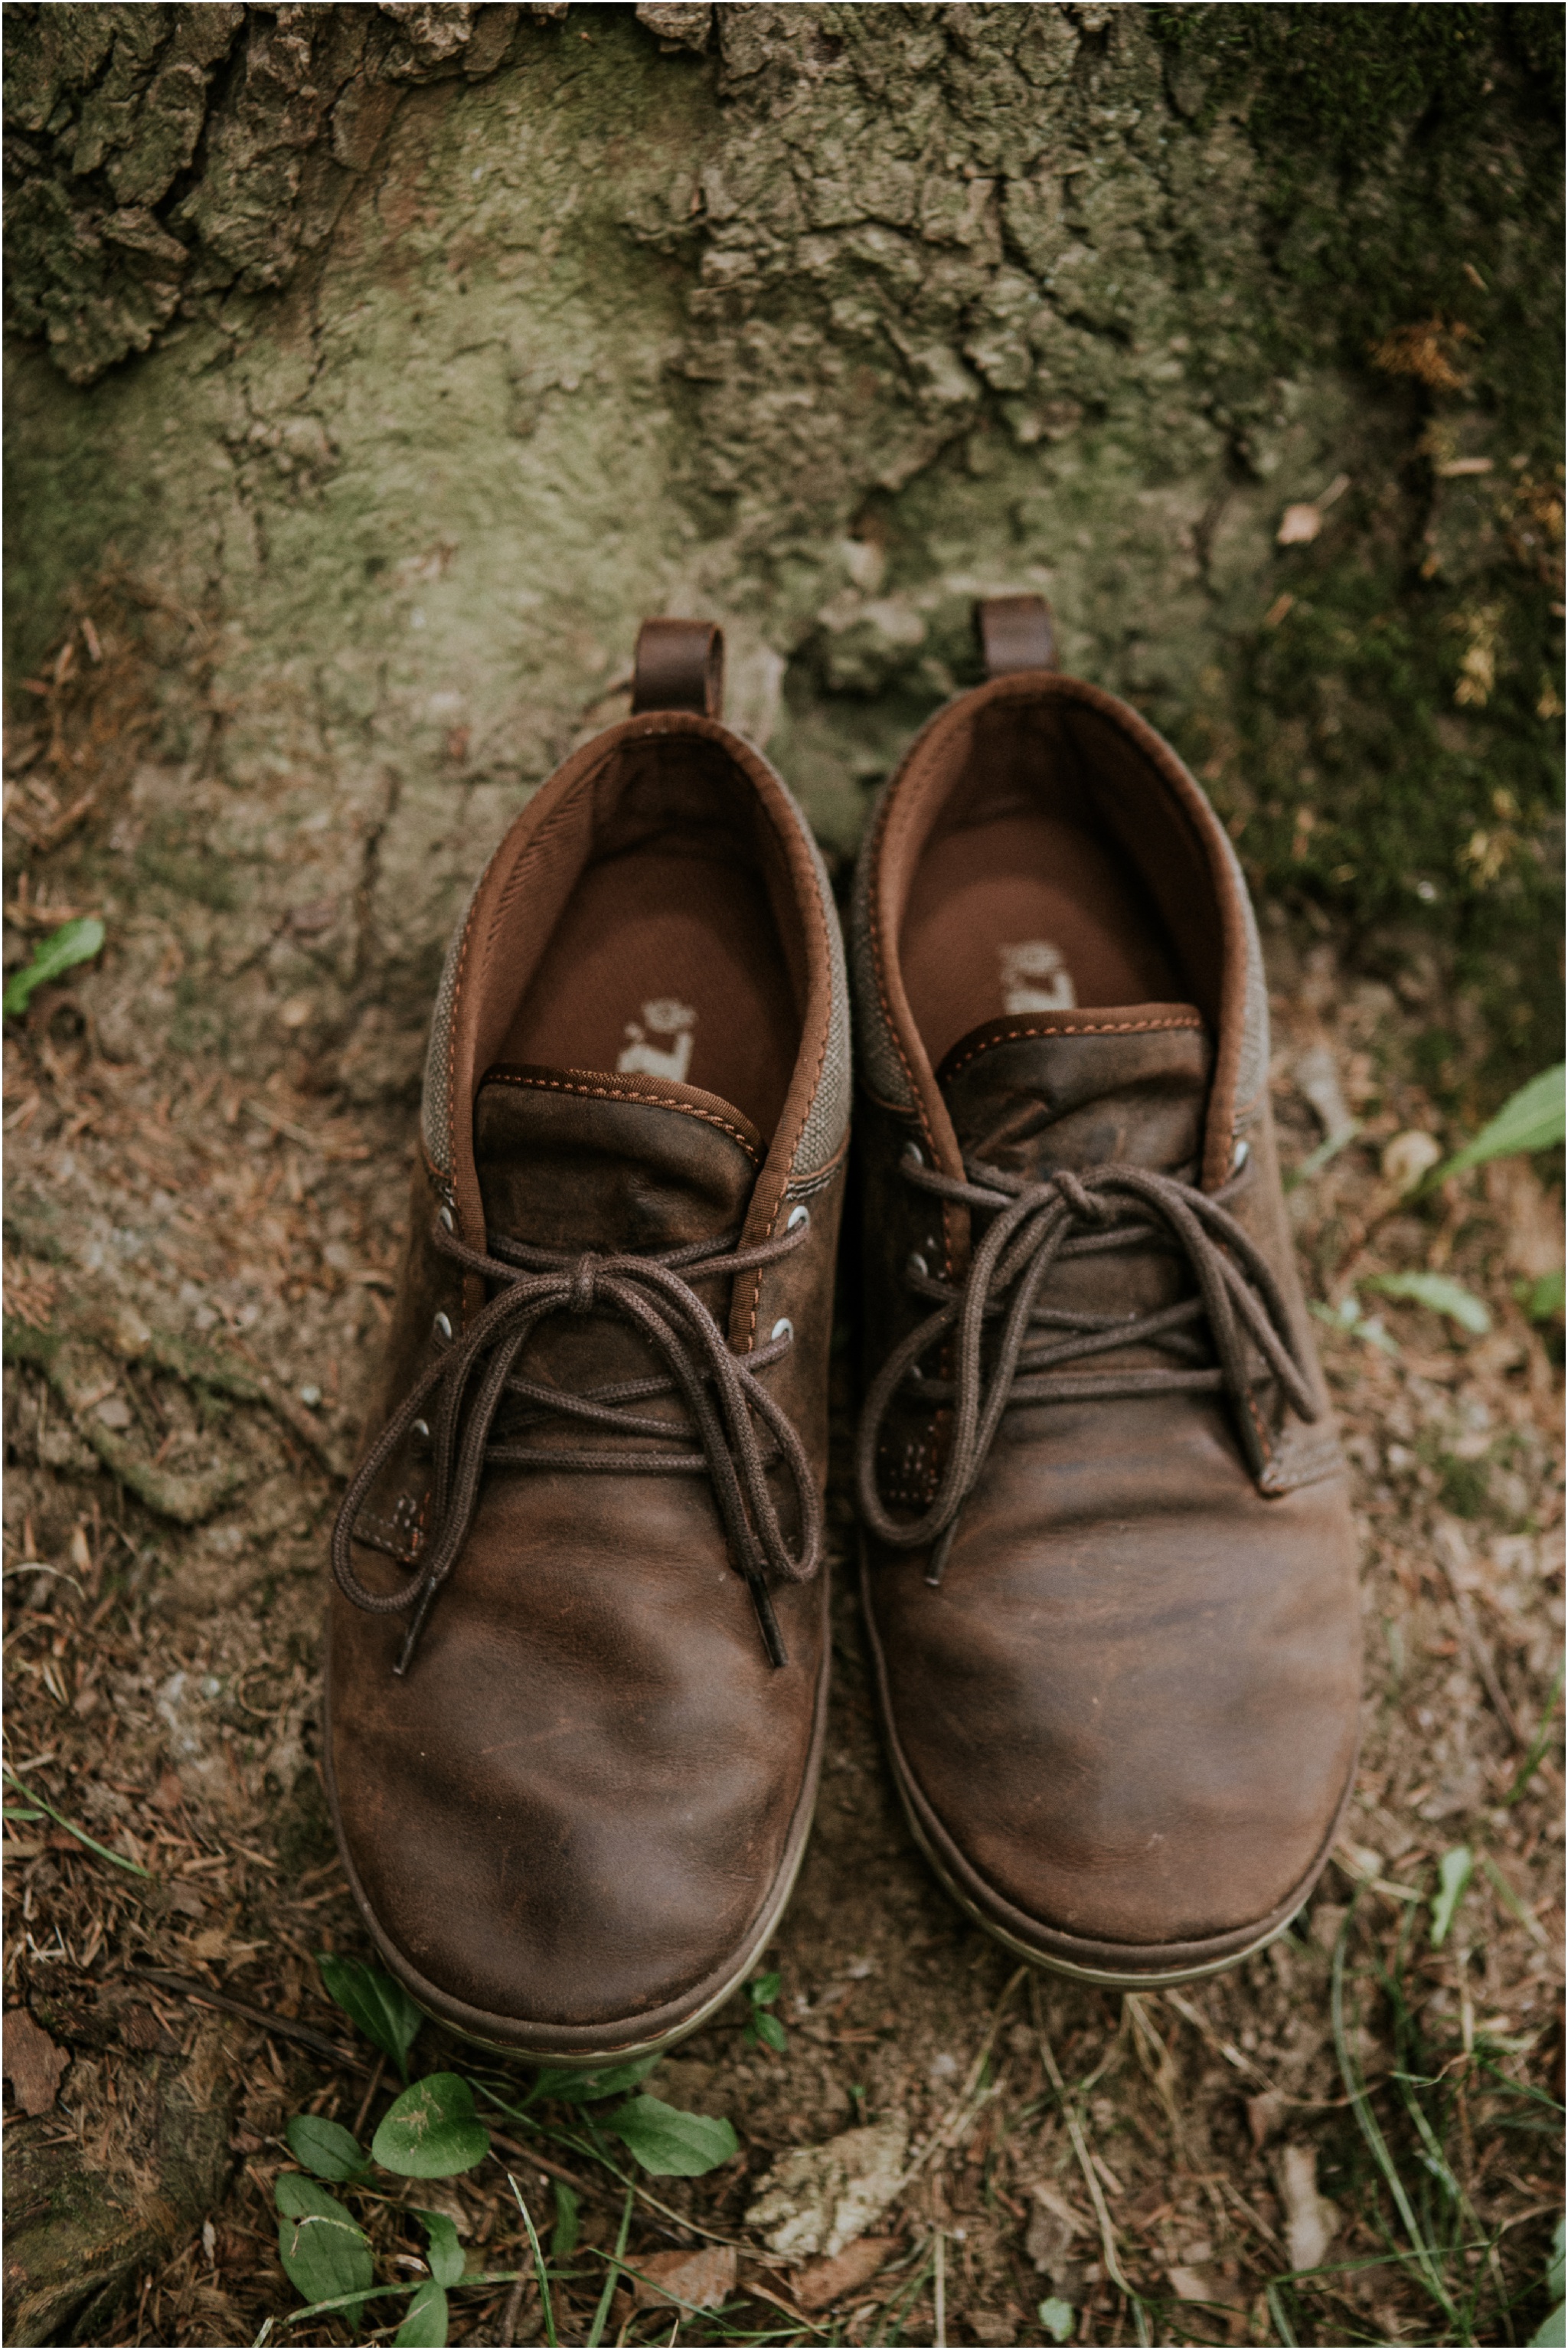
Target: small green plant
x,y
73,942
764,2029
671,2144
1439,1293
1531,1119
381,2008
1551,2330
1454,1873
1542,1300
433,2130
1348,1317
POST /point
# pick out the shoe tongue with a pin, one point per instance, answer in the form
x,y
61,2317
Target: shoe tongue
x,y
568,1158
1080,1088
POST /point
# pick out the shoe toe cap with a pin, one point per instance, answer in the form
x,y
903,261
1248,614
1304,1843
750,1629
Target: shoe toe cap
x,y
553,1846
1101,1747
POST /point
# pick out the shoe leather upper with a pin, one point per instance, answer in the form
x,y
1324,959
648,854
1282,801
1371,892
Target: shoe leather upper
x,y
1126,1716
569,1814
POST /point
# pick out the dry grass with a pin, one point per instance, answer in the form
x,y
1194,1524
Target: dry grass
x,y
211,1251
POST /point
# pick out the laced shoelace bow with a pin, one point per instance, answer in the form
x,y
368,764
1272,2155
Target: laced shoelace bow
x,y
723,1398
1033,1227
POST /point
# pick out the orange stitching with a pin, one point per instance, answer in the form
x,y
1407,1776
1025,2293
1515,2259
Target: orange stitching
x,y
1088,1028
623,1093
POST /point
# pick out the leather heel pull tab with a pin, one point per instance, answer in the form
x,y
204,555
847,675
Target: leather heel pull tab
x,y
1014,633
679,666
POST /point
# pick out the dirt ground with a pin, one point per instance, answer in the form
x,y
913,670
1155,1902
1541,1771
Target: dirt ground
x,y
200,1238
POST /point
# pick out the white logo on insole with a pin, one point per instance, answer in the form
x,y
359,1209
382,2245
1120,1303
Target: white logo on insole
x,y
664,1017
1035,979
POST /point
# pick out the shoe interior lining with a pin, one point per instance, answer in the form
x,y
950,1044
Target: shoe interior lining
x,y
1024,901
667,958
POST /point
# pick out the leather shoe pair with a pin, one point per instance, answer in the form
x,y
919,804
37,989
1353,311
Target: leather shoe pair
x,y
577,1657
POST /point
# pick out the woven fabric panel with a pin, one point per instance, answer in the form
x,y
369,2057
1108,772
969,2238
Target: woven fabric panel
x,y
828,1118
435,1114
879,1059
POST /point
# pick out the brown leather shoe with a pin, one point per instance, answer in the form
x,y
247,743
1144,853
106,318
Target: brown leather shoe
x,y
1109,1568
578,1664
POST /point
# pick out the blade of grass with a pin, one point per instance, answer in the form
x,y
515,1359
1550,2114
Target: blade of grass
x,y
1510,1901
1328,1150
1370,2128
134,1867
1281,2324
596,2332
1532,1761
1085,2164
546,2305
761,2292
350,2301
904,2296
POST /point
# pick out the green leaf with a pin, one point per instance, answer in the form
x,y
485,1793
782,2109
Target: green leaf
x,y
15,1812
1551,2333
1348,1316
325,2147
673,2145
1542,1299
73,942
1532,1121
1056,2317
431,2131
445,2252
324,2254
564,2234
424,2327
770,2031
582,2088
764,1990
1437,1291
1454,1872
381,2008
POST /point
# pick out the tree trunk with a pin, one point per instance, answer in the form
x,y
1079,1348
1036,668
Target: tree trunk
x,y
421,351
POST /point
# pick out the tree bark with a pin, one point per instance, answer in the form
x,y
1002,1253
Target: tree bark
x,y
422,350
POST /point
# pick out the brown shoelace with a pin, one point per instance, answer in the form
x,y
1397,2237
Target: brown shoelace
x,y
723,1398
1033,1226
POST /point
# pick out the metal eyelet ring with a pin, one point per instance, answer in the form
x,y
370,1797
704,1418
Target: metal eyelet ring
x,y
917,1267
797,1217
442,1326
1240,1157
782,1330
445,1220
913,1154
422,1431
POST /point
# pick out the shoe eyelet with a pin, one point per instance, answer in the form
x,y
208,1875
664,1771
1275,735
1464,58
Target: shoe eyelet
x,y
913,1154
797,1218
442,1326
917,1266
447,1220
420,1432
782,1329
1240,1157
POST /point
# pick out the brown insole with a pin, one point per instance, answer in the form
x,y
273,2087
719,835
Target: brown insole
x,y
673,967
1027,914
